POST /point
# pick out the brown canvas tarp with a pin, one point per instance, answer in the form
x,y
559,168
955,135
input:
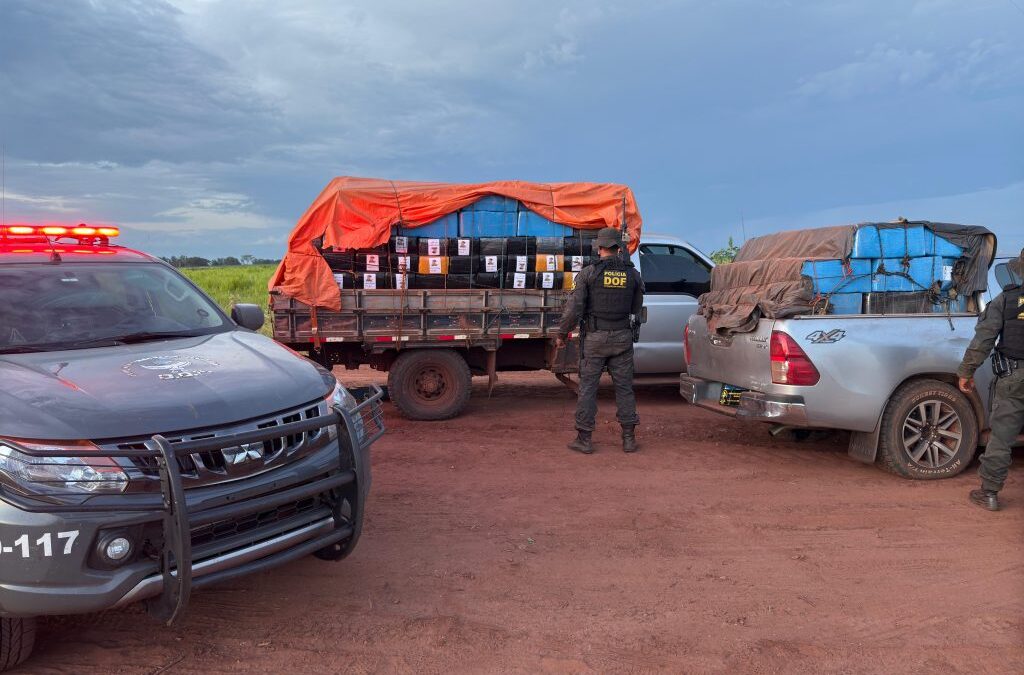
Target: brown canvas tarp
x,y
766,278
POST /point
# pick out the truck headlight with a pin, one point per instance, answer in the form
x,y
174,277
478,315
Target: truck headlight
x,y
342,397
61,475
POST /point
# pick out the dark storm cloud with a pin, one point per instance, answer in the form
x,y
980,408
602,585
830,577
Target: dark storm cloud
x,y
118,81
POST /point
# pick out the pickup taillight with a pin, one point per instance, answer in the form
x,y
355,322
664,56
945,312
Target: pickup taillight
x,y
686,345
790,364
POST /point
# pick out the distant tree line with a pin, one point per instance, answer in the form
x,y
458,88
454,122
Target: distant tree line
x,y
196,261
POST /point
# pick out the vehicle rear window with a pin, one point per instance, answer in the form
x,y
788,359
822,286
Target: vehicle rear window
x,y
69,305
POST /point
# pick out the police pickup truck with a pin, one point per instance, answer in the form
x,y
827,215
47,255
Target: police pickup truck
x,y
150,444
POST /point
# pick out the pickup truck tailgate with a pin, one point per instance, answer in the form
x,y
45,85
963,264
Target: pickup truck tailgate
x,y
742,360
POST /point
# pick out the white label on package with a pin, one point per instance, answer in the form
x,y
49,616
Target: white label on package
x,y
340,278
400,281
552,263
521,263
577,263
401,244
373,263
403,263
491,263
548,280
370,282
433,247
519,281
435,265
464,246
947,272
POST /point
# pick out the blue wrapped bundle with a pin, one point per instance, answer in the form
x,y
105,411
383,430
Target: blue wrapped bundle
x,y
535,225
495,203
832,276
922,273
445,226
846,303
487,224
912,241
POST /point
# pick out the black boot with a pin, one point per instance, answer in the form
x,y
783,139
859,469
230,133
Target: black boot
x,y
582,443
629,443
986,499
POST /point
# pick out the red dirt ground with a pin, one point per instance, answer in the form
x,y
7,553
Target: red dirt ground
x,y
489,547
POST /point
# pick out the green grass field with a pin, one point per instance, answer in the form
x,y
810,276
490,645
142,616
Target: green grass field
x,y
231,285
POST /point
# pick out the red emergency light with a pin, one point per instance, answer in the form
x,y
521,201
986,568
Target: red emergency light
x,y
81,231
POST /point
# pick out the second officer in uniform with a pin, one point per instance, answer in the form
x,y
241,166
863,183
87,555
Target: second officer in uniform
x,y
608,297
1001,327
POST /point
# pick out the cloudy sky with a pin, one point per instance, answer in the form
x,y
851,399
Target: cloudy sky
x,y
208,126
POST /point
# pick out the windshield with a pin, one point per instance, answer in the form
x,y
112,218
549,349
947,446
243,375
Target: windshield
x,y
74,306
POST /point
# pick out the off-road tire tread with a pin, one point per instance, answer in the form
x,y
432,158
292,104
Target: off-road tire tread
x,y
17,638
399,381
890,453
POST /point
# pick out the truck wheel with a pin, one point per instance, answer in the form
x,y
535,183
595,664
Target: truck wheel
x,y
429,384
17,637
928,431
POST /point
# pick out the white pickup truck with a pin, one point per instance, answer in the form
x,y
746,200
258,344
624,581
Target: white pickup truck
x,y
889,379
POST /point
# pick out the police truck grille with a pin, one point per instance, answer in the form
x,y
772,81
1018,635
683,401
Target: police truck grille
x,y
231,461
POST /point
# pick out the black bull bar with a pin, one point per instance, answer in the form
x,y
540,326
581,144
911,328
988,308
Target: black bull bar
x,y
177,522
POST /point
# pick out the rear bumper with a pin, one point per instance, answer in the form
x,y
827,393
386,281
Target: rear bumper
x,y
753,406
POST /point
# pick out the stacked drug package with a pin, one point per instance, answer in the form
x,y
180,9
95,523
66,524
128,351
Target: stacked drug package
x,y
902,267
494,243
892,268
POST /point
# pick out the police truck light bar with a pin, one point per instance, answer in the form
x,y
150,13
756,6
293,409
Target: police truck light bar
x,y
59,231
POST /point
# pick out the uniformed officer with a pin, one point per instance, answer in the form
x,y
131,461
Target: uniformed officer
x,y
606,294
1003,319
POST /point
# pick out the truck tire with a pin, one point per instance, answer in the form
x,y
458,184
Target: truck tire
x,y
17,637
928,431
430,384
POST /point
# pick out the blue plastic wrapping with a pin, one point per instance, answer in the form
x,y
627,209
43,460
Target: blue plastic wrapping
x,y
912,241
833,276
922,273
535,225
487,224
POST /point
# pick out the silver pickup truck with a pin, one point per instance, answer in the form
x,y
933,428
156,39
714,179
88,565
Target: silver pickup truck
x,y
890,380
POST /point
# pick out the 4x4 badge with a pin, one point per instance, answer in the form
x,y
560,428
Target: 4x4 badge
x,y
820,337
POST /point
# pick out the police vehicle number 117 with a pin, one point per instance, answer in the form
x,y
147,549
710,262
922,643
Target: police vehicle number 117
x,y
44,546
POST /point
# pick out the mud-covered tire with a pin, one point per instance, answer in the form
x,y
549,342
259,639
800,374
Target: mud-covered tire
x,y
430,384
17,638
928,431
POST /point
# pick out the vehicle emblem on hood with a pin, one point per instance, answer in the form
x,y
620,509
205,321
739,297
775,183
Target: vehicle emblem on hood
x,y
170,366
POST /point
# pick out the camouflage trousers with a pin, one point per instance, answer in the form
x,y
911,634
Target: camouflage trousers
x,y
612,349
1006,421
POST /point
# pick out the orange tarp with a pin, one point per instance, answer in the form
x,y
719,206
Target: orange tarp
x,y
354,213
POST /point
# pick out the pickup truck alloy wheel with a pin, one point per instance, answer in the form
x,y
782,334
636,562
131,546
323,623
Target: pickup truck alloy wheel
x,y
430,384
932,433
928,431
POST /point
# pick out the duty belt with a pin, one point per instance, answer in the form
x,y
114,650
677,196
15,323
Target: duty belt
x,y
596,323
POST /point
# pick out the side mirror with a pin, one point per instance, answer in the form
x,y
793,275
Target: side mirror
x,y
643,314
248,316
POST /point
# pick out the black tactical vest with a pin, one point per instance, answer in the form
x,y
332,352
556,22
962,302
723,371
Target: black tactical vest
x,y
1011,340
610,296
